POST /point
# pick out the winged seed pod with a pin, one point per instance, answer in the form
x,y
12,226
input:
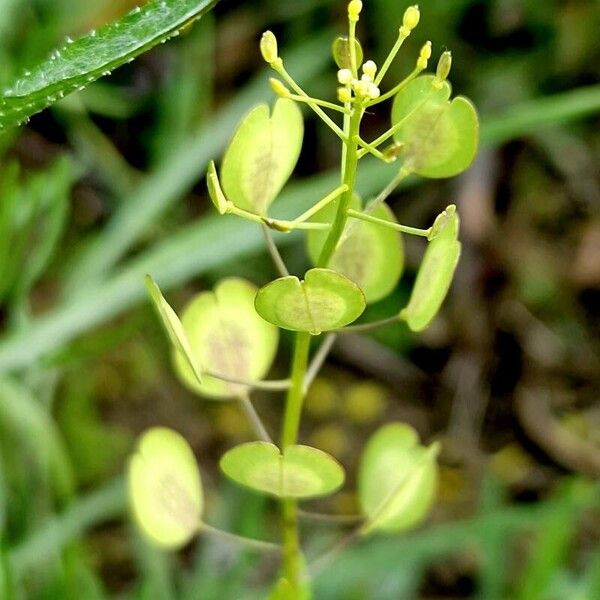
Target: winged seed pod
x,y
262,155
165,488
435,273
397,479
228,338
324,301
300,472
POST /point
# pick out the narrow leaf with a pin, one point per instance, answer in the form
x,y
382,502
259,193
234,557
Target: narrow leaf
x,y
79,63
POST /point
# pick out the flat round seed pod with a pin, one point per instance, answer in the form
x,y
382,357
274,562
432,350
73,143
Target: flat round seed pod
x,y
228,338
397,479
300,472
340,50
370,255
165,488
325,300
435,273
439,137
262,155
174,329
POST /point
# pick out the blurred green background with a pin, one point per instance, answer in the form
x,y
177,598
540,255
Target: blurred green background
x,y
108,185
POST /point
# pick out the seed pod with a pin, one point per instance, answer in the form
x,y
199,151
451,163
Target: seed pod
x,y
341,52
397,479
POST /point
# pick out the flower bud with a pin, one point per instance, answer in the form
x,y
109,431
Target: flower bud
x,y
362,88
344,76
279,88
373,91
268,47
411,19
354,10
344,95
370,69
424,56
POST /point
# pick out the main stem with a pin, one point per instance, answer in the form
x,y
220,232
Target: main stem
x,y
295,397
349,167
289,437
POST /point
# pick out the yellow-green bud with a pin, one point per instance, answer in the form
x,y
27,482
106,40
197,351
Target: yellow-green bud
x,y
374,91
370,69
411,19
268,47
279,88
444,66
366,78
354,10
362,88
344,76
424,56
344,95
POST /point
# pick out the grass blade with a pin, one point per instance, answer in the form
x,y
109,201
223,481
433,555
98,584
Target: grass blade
x,y
79,63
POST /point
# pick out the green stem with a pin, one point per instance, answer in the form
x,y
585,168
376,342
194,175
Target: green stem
x,y
349,168
259,545
295,395
366,327
356,214
317,102
390,58
289,436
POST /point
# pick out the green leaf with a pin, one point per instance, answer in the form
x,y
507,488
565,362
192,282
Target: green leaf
x,y
300,472
174,329
340,50
370,255
227,338
439,138
79,63
325,300
397,479
262,155
435,273
165,488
